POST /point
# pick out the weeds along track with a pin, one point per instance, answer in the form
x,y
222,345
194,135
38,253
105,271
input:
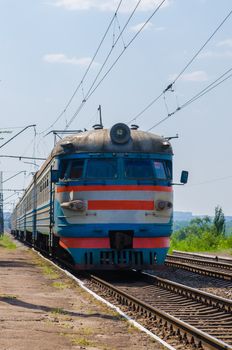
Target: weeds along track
x,y
179,314
203,264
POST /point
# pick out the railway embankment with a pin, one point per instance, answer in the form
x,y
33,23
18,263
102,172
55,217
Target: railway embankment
x,y
41,308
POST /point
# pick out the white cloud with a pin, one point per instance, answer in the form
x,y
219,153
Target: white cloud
x,y
159,29
149,25
138,26
226,43
108,5
61,58
196,76
216,54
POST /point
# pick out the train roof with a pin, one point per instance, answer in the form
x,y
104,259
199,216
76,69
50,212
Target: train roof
x,y
106,140
118,139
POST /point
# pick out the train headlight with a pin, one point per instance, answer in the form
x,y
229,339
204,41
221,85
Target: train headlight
x,y
77,205
161,205
120,133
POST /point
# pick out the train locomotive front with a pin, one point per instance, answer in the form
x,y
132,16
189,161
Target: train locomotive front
x,y
113,202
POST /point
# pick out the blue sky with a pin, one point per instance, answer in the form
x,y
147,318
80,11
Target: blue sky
x,y
46,46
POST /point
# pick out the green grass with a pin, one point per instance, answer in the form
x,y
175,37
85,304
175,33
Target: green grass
x,y
59,311
60,285
8,296
6,242
203,243
81,341
49,271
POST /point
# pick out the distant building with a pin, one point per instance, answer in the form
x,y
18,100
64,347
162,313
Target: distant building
x,y
182,216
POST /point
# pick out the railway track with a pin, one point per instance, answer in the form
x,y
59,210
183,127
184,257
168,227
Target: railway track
x,y
184,317
202,264
216,258
179,313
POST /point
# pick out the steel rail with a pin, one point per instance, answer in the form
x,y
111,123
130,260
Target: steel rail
x,y
192,293
186,332
203,256
199,261
199,269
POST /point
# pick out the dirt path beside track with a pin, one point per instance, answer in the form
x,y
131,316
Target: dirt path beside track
x,y
42,309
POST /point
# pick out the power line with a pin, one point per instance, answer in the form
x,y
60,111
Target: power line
x,y
197,53
9,178
213,180
29,126
170,86
113,46
204,91
11,196
13,190
90,93
22,157
208,88
87,70
146,108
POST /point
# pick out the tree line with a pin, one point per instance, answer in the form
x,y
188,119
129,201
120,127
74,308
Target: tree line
x,y
203,234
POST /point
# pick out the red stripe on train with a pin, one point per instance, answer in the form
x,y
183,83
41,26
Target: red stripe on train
x,y
120,205
153,242
138,242
113,188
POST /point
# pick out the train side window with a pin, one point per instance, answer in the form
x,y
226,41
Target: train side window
x,y
139,169
160,170
77,167
102,169
64,168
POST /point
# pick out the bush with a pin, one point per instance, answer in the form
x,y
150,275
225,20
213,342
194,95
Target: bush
x,y
200,235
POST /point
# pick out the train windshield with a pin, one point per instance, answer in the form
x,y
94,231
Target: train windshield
x,y
72,169
139,169
76,171
147,169
160,170
102,169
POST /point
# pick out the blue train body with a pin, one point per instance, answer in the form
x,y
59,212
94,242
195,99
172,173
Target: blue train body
x,y
102,200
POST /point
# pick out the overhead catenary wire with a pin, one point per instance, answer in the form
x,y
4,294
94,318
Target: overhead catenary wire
x,y
198,52
113,46
87,70
200,94
90,93
211,181
20,132
13,194
209,87
170,85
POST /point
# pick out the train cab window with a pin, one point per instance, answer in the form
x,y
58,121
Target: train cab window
x,y
76,171
168,166
64,168
138,169
102,169
160,170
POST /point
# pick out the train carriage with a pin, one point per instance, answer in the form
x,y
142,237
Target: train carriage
x,y
103,199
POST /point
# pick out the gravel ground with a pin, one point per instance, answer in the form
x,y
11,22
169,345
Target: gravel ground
x,y
41,308
208,284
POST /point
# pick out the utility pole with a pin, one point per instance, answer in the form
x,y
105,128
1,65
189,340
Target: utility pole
x,y
1,207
